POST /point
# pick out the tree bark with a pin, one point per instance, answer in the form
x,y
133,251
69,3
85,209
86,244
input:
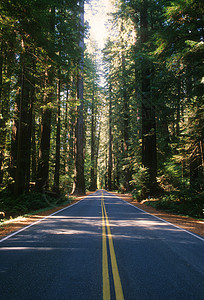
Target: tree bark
x,y
22,176
149,154
42,182
93,145
33,151
13,156
57,155
127,174
110,144
80,180
178,109
5,89
44,150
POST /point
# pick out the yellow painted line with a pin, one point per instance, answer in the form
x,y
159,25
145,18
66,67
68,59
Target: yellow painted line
x,y
116,276
106,281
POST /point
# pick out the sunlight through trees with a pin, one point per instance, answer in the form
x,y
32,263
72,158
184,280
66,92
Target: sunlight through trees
x,y
124,111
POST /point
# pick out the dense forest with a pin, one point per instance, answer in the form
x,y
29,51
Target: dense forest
x,y
64,132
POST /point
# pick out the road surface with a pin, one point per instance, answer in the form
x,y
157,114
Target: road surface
x,y
99,249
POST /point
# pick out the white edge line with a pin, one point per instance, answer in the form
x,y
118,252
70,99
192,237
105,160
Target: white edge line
x,y
189,232
35,223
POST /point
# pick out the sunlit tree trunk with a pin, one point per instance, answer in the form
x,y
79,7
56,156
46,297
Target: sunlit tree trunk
x,y
93,144
110,144
97,152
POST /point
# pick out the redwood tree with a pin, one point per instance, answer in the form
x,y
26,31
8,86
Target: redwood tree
x,y
149,154
80,180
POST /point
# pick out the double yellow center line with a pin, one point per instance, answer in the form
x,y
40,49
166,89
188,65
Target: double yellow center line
x,y
106,232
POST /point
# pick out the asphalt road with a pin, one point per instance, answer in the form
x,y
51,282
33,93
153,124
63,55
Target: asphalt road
x,y
102,248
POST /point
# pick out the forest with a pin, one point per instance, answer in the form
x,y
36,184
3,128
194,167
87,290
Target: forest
x,y
64,132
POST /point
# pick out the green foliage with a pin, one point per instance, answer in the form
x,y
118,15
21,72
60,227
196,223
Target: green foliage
x,y
27,203
39,47
40,40
183,203
175,51
140,183
66,182
172,172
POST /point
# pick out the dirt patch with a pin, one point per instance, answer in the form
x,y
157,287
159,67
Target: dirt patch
x,y
187,223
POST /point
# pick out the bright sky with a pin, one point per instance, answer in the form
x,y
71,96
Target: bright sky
x,y
96,14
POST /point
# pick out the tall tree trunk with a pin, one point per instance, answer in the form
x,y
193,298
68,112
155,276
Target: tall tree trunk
x,y
202,164
44,150
125,98
22,177
105,174
194,169
110,144
42,182
197,167
57,158
80,180
97,152
93,148
33,152
4,107
127,174
72,141
33,133
13,154
65,135
149,154
178,109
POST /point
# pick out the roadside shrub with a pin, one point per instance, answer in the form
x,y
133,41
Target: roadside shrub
x,y
140,183
26,203
185,203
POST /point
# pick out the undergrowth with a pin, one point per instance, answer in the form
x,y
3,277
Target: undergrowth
x,y
27,203
186,203
172,195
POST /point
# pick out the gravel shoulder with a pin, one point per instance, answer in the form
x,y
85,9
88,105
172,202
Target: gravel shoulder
x,y
187,223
